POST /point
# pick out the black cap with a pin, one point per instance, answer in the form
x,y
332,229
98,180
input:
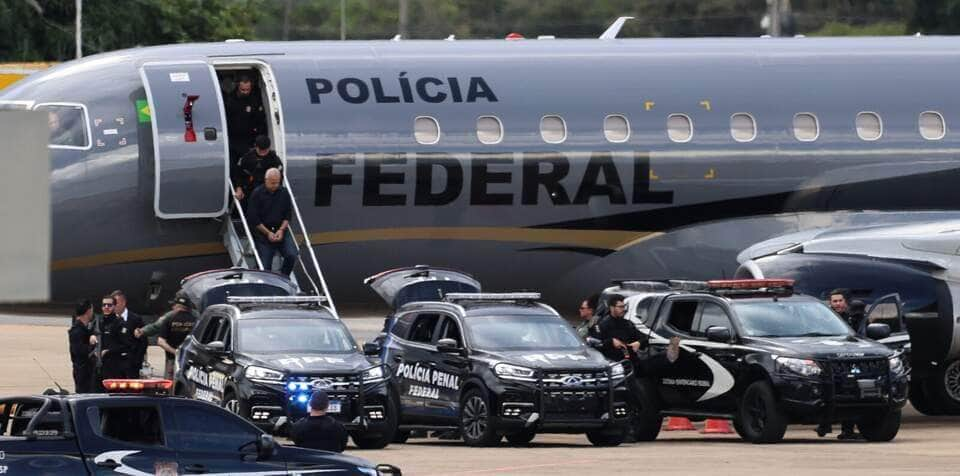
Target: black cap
x,y
319,401
182,299
262,142
83,306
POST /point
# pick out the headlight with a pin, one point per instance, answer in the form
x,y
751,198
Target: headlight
x,y
513,372
804,367
616,370
263,375
896,365
375,374
368,471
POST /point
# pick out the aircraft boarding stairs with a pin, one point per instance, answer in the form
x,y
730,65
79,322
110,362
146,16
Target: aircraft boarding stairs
x,y
238,240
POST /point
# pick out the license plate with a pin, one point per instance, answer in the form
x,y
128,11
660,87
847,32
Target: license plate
x,y
334,406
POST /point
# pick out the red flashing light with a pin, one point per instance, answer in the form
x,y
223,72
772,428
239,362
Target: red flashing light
x,y
514,36
137,385
749,283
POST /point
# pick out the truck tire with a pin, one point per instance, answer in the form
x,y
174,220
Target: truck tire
x,y
647,419
919,398
477,424
943,388
235,405
367,442
882,426
760,416
606,437
521,438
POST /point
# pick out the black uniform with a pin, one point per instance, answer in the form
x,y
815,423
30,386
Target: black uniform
x,y
117,346
626,331
138,346
82,354
251,168
176,329
245,121
319,433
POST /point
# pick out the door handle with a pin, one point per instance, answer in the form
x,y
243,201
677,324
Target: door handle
x,y
195,468
109,464
398,358
433,364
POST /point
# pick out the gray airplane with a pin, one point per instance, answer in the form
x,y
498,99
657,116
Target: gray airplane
x,y
547,164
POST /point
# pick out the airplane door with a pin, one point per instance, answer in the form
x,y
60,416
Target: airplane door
x,y
189,139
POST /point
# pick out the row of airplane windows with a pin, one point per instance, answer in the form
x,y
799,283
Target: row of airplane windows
x,y
743,128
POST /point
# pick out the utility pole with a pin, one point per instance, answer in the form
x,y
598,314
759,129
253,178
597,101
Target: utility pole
x,y
404,15
343,20
287,10
79,29
774,13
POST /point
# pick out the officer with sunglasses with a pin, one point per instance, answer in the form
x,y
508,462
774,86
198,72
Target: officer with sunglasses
x,y
116,349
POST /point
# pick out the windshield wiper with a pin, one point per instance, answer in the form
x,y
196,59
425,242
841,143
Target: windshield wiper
x,y
816,334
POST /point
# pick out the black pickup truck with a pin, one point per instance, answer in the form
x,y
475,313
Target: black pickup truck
x,y
145,435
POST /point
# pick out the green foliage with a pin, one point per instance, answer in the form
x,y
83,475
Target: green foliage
x,y
873,29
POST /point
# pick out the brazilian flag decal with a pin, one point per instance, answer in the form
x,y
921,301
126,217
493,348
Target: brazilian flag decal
x,y
143,111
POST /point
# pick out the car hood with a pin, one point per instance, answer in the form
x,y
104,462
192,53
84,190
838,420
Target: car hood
x,y
583,358
821,347
296,454
311,362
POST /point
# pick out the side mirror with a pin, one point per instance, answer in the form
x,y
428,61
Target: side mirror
x,y
265,446
449,346
878,331
217,347
718,334
371,348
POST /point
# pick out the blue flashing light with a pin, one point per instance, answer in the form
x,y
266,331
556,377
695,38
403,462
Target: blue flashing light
x,y
302,398
292,386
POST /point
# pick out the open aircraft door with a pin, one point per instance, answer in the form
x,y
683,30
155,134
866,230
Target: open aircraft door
x,y
189,139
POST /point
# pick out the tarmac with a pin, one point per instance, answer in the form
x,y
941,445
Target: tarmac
x,y
31,347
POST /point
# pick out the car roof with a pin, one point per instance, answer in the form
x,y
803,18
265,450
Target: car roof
x,y
281,311
489,308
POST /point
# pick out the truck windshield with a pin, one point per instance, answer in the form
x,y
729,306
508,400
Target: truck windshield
x,y
788,319
521,333
277,335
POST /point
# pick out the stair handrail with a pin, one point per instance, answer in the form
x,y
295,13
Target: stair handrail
x,y
246,228
313,256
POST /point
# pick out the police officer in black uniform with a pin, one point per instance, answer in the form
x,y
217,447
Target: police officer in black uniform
x,y
117,348
252,167
83,347
318,430
246,118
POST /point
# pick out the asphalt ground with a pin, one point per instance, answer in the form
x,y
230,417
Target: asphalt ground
x,y
925,445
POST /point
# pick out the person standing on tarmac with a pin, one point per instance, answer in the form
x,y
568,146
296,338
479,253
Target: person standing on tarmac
x,y
116,347
252,167
246,118
587,317
131,322
83,348
318,430
174,331
840,303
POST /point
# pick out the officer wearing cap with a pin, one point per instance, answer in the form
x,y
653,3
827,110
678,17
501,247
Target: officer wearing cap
x,y
174,330
318,430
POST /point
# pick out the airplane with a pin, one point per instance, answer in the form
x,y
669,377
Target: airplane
x,y
546,164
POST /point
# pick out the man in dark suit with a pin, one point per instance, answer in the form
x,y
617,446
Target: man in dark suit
x,y
131,322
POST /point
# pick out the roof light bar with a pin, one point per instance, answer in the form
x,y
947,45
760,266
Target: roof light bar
x,y
137,385
276,299
749,283
492,297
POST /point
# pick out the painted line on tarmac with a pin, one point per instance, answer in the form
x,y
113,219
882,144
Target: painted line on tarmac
x,y
510,469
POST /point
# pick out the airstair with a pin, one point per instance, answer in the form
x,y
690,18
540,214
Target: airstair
x,y
238,239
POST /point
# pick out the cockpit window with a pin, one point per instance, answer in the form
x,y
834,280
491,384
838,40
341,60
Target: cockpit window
x,y
68,125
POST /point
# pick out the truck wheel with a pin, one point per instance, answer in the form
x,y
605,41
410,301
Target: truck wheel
x,y
760,415
401,436
605,437
880,427
476,422
943,388
389,430
521,438
647,421
919,398
234,405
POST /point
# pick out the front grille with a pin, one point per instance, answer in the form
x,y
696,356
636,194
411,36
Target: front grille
x,y
849,378
574,379
330,383
573,405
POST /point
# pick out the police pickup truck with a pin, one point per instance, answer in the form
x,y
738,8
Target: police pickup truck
x,y
754,352
145,434
501,365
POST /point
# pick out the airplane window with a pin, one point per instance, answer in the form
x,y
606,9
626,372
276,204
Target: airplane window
x,y
616,128
806,128
679,127
489,130
743,127
553,129
68,125
932,125
426,130
869,126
